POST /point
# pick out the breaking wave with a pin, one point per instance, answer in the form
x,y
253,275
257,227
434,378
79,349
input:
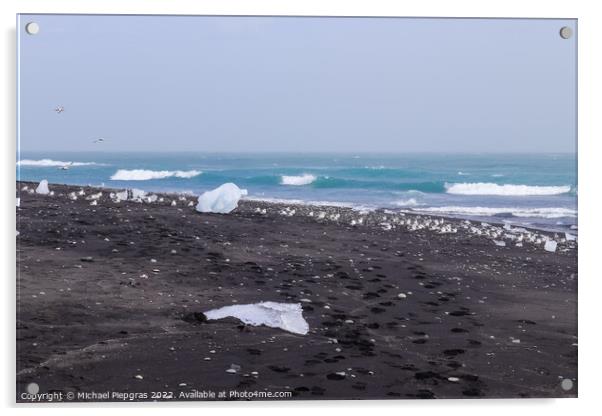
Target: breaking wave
x,y
407,202
502,211
301,180
145,175
482,188
52,163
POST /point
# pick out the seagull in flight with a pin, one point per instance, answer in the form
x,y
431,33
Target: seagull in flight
x,y
59,109
99,140
66,166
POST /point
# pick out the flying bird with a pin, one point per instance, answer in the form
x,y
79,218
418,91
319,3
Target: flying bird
x,y
66,166
59,109
99,140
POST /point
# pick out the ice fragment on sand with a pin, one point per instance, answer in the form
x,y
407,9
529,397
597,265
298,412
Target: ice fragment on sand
x,y
42,188
286,316
151,198
94,196
499,243
137,194
222,200
569,237
550,246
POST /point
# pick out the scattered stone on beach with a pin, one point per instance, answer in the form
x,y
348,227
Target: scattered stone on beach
x,y
195,317
87,259
234,368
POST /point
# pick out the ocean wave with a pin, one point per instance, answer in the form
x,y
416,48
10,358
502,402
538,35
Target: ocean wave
x,y
502,211
407,202
483,188
145,175
300,180
52,163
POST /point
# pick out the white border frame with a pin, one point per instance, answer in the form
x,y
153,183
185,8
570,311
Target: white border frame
x,y
590,135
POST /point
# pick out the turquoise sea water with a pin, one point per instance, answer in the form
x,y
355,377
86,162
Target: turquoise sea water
x,y
537,190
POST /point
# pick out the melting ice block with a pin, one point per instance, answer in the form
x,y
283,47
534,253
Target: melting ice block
x,y
222,200
42,188
550,246
286,316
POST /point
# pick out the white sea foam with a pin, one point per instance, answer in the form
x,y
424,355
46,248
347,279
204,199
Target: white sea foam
x,y
286,316
490,211
483,188
52,163
355,207
145,175
407,202
300,180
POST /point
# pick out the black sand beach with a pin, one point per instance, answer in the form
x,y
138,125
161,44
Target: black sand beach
x,y
107,296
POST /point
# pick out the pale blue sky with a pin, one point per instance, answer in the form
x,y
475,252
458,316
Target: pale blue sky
x,y
238,84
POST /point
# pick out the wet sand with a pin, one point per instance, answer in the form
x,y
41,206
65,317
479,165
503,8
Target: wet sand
x,y
109,297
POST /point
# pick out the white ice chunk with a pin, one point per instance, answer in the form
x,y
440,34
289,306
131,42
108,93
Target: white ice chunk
x,y
550,246
137,193
286,316
94,196
18,202
151,198
499,243
569,237
42,188
222,200
121,196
